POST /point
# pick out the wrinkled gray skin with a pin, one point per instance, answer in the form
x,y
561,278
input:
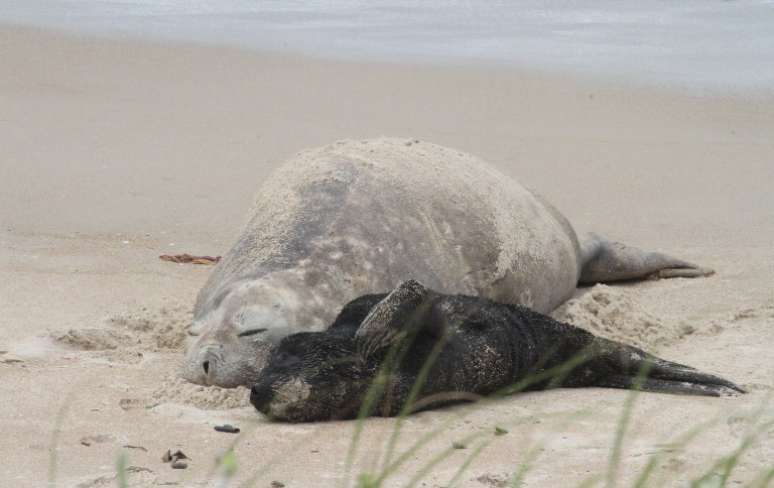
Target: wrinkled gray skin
x,y
434,349
358,217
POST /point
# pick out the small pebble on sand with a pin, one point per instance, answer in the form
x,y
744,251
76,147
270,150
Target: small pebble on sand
x,y
228,428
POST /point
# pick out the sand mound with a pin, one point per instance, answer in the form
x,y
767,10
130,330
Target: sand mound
x,y
160,330
92,339
613,313
135,332
128,336
176,390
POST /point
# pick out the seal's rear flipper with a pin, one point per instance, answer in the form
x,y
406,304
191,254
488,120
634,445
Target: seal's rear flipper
x,y
667,386
621,366
678,373
606,261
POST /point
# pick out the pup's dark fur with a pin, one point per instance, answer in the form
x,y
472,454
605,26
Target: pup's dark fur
x,y
427,349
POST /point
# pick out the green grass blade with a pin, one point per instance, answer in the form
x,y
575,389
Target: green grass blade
x,y
438,459
723,467
644,477
532,453
764,480
464,466
611,477
378,386
590,481
412,396
57,432
121,463
517,479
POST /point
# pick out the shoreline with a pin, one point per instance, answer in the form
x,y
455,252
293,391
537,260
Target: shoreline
x,y
608,81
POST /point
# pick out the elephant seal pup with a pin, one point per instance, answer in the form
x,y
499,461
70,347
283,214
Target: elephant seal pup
x,y
433,349
358,217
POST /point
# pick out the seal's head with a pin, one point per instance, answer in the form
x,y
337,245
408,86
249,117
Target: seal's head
x,y
230,343
312,376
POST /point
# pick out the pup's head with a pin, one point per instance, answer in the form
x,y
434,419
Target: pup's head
x,y
311,376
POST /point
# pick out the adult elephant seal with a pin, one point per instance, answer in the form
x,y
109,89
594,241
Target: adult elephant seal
x,y
358,217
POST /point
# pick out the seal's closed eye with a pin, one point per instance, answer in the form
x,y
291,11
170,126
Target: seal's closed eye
x,y
251,332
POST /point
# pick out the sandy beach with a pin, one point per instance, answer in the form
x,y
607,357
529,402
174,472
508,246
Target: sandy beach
x,y
115,152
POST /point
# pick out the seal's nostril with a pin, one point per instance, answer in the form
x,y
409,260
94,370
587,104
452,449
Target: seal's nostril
x,y
206,366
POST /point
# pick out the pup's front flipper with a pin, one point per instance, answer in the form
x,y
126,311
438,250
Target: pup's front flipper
x,y
620,366
402,312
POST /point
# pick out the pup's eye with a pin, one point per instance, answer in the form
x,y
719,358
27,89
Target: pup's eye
x,y
251,332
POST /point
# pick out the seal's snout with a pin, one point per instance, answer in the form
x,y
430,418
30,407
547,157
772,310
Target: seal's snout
x,y
209,363
204,365
285,400
227,364
260,397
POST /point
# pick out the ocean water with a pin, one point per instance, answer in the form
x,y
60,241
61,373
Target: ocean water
x,y
698,44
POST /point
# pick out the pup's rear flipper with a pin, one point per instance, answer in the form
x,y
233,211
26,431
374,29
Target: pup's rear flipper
x,y
669,386
621,366
606,261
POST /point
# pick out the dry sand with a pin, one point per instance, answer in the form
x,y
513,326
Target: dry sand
x,y
114,152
